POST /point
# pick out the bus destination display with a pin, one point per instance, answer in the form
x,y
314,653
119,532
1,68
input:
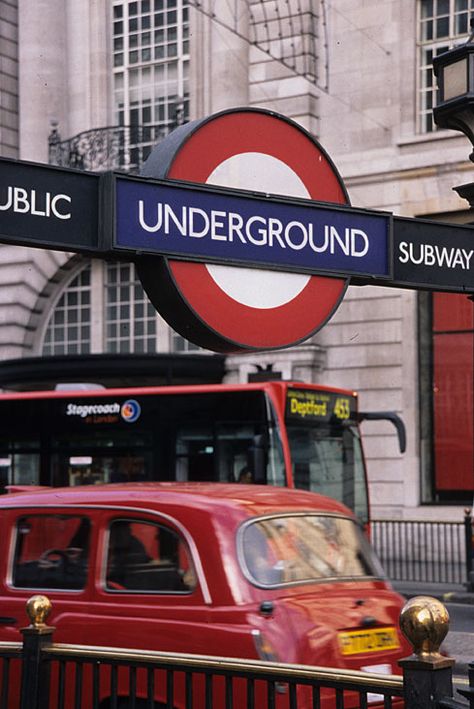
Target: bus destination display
x,y
310,405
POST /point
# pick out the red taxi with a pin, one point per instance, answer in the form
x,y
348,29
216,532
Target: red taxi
x,y
233,570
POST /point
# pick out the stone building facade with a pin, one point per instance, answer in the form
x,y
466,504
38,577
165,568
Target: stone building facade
x,y
357,76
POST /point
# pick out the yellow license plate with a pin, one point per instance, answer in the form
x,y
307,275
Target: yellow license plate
x,y
355,642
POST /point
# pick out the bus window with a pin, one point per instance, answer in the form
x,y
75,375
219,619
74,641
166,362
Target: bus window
x,y
96,469
220,452
19,462
194,453
100,456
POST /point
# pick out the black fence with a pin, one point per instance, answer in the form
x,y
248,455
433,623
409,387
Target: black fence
x,y
419,550
39,674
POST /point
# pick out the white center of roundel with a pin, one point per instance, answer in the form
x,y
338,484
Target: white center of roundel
x,y
256,287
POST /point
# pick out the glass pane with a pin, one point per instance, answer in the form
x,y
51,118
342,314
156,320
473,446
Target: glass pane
x,y
304,548
427,8
442,7
461,24
329,461
149,558
52,552
442,27
427,30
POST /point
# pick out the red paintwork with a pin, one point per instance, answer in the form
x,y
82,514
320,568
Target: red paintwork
x,y
275,388
219,621
453,386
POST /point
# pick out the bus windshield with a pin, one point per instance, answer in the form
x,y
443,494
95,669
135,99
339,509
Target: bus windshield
x,y
325,447
328,460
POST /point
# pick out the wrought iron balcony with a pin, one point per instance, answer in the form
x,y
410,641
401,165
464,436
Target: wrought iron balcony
x,y
110,148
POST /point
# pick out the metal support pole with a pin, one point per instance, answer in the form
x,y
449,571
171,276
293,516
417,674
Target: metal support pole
x,y
469,537
35,673
469,693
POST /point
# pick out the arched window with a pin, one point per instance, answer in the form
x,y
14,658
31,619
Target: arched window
x,y
104,308
69,327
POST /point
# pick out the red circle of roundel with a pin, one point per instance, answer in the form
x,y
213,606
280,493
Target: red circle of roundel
x,y
235,326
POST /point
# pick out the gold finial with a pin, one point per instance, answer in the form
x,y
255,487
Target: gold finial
x,y
424,621
38,609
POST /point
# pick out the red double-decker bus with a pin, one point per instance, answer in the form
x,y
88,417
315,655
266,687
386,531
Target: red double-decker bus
x,y
279,433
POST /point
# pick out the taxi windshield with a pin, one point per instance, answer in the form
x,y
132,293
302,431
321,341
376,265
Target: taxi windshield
x,y
301,548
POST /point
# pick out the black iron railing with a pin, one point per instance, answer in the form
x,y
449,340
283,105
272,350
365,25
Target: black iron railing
x,y
420,550
110,148
40,674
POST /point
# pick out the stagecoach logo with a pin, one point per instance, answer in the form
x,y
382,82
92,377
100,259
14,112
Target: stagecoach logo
x,y
84,410
130,411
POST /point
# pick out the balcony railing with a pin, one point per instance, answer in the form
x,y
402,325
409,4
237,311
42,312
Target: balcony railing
x,y
110,148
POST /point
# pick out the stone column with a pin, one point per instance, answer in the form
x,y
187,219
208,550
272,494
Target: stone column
x,y
42,74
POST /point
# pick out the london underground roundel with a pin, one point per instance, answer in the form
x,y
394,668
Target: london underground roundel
x,y
234,308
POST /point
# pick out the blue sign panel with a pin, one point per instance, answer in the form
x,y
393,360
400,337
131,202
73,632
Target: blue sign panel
x,y
220,226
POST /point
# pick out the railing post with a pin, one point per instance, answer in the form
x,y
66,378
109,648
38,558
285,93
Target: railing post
x,y
469,537
35,672
469,692
427,675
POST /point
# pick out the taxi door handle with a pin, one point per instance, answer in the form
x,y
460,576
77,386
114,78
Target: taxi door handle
x,y
7,620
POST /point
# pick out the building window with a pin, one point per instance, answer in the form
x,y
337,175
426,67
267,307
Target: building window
x,y
131,318
150,59
68,330
441,23
180,344
104,308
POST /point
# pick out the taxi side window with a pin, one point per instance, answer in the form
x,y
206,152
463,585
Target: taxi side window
x,y
147,558
51,552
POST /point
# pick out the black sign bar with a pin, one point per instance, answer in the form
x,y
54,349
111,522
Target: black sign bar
x,y
48,207
430,255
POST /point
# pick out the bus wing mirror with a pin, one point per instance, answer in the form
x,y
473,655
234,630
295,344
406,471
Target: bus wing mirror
x,y
387,416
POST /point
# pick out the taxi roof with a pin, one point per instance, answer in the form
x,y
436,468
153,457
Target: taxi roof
x,y
250,499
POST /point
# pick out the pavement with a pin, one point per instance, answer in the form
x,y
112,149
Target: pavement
x,y
446,592
459,645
